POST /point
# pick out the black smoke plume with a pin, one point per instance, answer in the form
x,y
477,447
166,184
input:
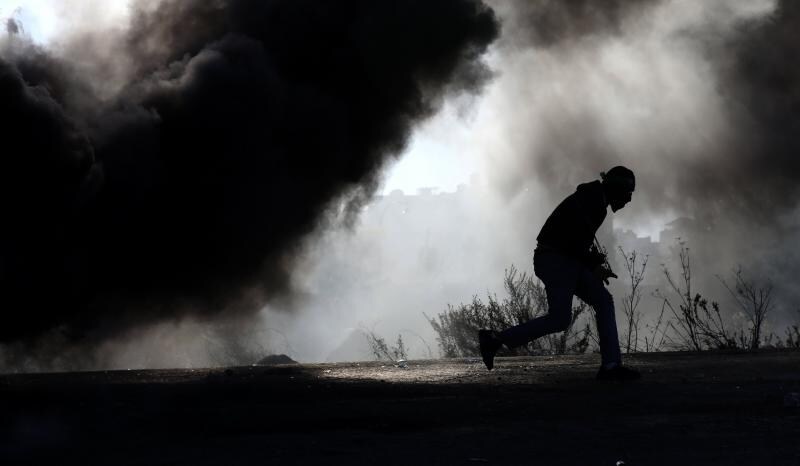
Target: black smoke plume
x,y
239,124
761,82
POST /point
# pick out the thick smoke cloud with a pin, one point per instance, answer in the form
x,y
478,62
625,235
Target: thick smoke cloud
x,y
231,129
546,23
699,98
761,83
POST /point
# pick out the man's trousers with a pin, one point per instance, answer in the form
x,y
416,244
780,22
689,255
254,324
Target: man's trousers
x,y
563,278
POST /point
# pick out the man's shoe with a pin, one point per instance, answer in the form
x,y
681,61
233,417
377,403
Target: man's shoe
x,y
489,346
618,373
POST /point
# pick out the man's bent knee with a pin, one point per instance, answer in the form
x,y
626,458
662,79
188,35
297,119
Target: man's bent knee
x,y
560,322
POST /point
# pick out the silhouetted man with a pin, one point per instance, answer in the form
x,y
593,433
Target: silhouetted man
x,y
567,265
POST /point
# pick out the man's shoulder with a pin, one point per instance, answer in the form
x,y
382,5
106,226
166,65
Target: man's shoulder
x,y
586,195
590,188
590,192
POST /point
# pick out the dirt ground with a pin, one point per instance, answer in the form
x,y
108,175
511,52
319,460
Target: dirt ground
x,y
690,408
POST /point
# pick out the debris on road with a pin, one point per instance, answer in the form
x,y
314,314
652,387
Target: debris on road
x,y
275,359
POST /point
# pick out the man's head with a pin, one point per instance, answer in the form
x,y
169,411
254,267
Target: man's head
x,y
618,184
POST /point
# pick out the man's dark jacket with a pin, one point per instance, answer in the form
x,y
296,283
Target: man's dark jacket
x,y
570,229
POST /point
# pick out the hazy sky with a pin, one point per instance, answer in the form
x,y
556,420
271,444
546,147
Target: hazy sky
x,y
45,19
436,157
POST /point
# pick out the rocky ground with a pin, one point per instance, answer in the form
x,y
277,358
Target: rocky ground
x,y
708,408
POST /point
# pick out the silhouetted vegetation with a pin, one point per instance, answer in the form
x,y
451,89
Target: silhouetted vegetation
x,y
635,266
683,320
793,337
385,352
756,301
457,327
697,324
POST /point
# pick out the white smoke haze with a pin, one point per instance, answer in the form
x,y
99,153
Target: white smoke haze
x,y
646,95
88,35
188,343
52,22
409,256
641,89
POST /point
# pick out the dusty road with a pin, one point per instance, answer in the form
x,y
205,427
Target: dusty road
x,y
710,408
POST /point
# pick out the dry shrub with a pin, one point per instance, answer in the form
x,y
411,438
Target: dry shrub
x,y
457,327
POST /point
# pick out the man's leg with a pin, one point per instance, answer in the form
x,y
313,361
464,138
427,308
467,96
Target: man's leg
x,y
559,302
590,289
558,275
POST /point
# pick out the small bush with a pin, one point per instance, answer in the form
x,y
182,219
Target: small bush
x,y
457,327
697,324
792,336
756,301
384,352
635,266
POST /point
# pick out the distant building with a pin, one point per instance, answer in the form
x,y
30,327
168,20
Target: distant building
x,y
644,245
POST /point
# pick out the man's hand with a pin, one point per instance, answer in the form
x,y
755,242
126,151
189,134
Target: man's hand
x,y
603,273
